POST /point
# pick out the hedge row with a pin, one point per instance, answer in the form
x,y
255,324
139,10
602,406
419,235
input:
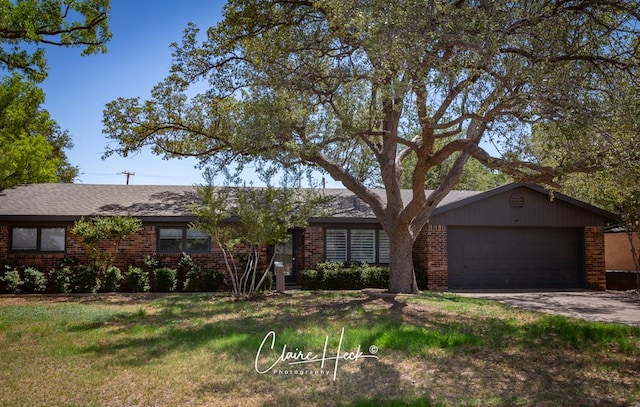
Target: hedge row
x,y
350,276
344,276
73,277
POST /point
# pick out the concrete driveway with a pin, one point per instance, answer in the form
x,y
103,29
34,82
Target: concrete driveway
x,y
607,306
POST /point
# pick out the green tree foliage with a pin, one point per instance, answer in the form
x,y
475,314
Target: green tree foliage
x,y
243,222
102,236
474,177
613,145
356,88
26,26
31,142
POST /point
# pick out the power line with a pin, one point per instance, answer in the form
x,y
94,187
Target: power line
x,y
128,174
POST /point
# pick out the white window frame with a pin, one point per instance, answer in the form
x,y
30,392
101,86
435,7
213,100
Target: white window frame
x,y
351,247
334,250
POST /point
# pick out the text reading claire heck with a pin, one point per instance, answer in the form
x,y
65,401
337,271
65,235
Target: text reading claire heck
x,y
303,360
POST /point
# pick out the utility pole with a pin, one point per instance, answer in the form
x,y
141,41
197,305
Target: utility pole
x,y
128,174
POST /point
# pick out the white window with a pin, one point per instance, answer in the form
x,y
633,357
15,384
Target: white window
x,y
358,245
336,244
363,245
384,247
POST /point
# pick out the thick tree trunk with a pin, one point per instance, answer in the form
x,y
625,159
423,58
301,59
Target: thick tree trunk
x,y
401,276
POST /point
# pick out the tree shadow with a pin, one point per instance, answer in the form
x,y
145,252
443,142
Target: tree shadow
x,y
499,358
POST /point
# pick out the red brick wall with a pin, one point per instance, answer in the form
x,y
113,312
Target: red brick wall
x,y
430,256
594,258
42,261
132,252
4,243
437,258
313,246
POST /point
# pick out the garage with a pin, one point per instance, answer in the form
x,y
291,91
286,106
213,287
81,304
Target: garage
x,y
518,236
516,257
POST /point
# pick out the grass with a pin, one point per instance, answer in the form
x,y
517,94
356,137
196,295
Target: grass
x,y
432,350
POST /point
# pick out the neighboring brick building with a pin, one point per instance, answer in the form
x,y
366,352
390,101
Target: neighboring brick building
x,y
513,236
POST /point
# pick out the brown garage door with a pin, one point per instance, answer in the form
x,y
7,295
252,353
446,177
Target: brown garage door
x,y
514,257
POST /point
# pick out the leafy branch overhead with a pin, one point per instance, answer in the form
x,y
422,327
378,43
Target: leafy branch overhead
x,y
386,90
26,26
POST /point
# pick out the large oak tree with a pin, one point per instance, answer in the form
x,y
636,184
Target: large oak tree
x,y
350,86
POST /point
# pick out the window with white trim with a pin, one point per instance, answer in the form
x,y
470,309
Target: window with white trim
x,y
357,245
363,245
178,240
336,244
384,247
38,239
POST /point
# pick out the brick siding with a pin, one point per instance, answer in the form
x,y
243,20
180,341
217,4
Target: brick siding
x,y
132,252
313,247
437,258
594,258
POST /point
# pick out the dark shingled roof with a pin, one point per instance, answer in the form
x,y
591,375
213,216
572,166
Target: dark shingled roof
x,y
68,201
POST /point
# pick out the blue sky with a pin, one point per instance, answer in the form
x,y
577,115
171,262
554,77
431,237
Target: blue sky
x,y
139,56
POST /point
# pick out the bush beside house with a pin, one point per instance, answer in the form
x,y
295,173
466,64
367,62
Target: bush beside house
x,y
70,276
344,276
350,276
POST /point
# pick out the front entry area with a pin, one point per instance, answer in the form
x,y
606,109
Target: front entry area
x,y
286,258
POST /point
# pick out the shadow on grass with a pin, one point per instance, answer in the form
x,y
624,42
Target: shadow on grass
x,y
502,358
415,402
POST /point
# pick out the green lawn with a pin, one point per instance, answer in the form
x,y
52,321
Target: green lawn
x,y
432,349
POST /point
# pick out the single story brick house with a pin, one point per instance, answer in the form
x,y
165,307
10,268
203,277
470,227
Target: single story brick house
x,y
512,236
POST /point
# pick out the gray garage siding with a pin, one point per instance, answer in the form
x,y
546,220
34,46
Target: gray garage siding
x,y
515,257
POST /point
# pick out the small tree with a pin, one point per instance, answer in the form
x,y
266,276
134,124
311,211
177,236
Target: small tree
x,y
243,221
102,237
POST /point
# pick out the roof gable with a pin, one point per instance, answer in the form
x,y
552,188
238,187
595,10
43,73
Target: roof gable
x,y
521,205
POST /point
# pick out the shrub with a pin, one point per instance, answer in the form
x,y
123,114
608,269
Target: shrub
x,y
12,281
34,280
86,279
311,279
151,263
137,279
267,284
165,279
60,279
343,278
188,269
192,281
212,280
374,276
111,280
